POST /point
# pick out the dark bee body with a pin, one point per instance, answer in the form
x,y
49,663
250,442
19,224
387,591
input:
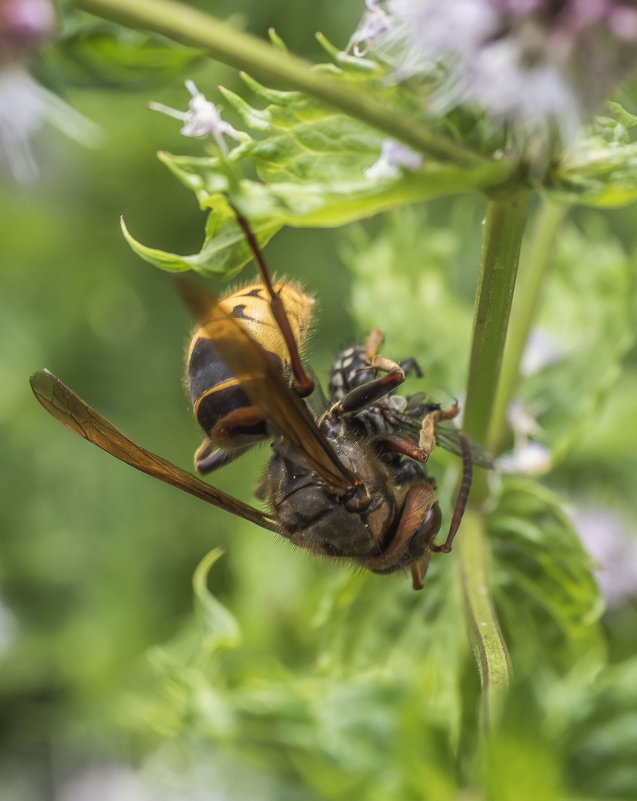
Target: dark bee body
x,y
352,369
392,413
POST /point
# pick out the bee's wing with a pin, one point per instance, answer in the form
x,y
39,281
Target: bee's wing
x,y
262,380
446,432
447,438
75,413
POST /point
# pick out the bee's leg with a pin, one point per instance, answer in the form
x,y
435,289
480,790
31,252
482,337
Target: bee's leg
x,y
419,570
362,396
411,364
373,342
207,460
427,438
249,418
420,519
303,382
399,443
367,393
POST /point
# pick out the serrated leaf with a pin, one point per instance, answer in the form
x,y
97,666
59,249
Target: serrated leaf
x,y
223,253
602,737
311,162
547,598
419,639
602,170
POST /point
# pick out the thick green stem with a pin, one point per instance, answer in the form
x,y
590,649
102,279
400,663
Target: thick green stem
x,y
533,271
503,228
196,29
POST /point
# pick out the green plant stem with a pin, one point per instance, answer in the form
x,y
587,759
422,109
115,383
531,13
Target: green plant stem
x,y
533,271
489,648
503,228
246,52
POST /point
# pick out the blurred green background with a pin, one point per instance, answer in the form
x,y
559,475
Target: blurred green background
x,y
97,560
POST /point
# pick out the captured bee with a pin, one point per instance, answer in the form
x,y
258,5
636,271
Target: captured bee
x,y
396,418
349,484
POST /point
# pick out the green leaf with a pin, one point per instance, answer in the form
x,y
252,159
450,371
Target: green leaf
x,y
223,253
368,627
602,736
547,599
311,162
385,678
220,627
92,54
602,170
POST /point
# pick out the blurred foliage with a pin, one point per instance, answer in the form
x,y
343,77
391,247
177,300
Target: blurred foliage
x,y
303,679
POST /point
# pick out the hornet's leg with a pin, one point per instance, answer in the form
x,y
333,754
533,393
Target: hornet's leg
x,y
419,523
303,382
419,506
207,459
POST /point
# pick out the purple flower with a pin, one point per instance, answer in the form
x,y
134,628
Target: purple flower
x,y
24,24
393,156
528,457
203,118
374,23
25,105
541,351
540,64
614,551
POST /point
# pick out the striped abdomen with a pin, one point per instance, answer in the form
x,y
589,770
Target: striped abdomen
x,y
220,406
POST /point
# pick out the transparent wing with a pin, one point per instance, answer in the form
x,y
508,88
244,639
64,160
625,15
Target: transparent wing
x,y
447,437
75,413
447,434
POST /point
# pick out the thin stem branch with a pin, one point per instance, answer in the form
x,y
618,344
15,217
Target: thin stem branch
x,y
533,272
489,648
246,52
